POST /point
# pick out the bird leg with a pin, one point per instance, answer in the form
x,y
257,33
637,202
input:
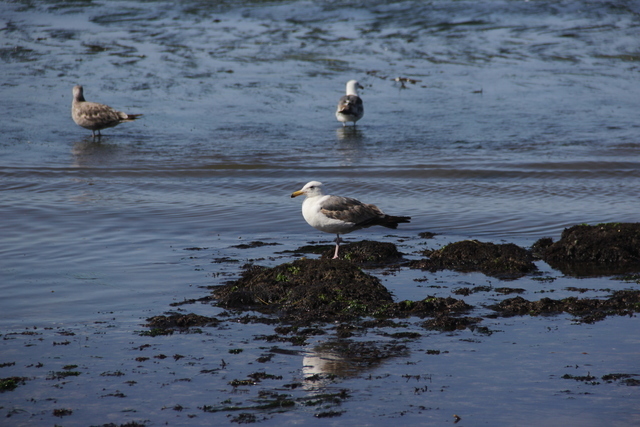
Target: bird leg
x,y
338,240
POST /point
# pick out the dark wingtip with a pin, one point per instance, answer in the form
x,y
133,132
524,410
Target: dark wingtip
x,y
393,221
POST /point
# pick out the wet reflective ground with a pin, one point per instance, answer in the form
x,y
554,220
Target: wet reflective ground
x,y
520,119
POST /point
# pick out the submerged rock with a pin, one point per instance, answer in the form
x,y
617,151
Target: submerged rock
x,y
594,250
504,261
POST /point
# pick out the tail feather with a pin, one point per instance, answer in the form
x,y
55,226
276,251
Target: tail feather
x,y
388,221
393,221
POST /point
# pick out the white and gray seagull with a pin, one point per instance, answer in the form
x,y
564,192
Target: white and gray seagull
x,y
341,215
350,107
94,116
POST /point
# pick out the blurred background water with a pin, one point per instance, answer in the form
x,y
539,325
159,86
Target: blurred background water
x,y
521,119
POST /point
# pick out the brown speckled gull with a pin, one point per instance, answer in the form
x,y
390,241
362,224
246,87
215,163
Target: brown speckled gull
x,y
94,116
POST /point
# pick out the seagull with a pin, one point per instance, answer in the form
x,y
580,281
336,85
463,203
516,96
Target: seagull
x,y
341,215
94,116
350,108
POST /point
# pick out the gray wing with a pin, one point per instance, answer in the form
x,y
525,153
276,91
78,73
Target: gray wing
x,y
350,105
349,210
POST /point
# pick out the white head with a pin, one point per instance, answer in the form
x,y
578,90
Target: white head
x,y
353,86
311,189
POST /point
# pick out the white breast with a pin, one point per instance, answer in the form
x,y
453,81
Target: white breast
x,y
311,213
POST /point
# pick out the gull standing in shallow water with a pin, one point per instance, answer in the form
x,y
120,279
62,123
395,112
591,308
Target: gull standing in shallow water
x,y
350,107
94,116
341,215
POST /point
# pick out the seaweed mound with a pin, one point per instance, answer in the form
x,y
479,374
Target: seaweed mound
x,y
504,261
306,290
588,310
594,250
367,252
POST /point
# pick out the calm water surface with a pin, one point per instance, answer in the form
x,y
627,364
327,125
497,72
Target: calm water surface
x,y
522,120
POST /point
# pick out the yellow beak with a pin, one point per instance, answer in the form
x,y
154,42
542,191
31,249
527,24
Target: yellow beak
x,y
297,193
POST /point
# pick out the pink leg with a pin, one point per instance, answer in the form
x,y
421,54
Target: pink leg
x,y
338,240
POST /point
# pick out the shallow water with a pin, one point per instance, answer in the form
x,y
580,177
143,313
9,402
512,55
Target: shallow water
x,y
523,121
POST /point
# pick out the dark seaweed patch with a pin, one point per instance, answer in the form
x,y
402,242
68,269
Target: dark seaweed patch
x,y
181,321
504,261
587,310
255,244
11,383
306,290
367,252
594,250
